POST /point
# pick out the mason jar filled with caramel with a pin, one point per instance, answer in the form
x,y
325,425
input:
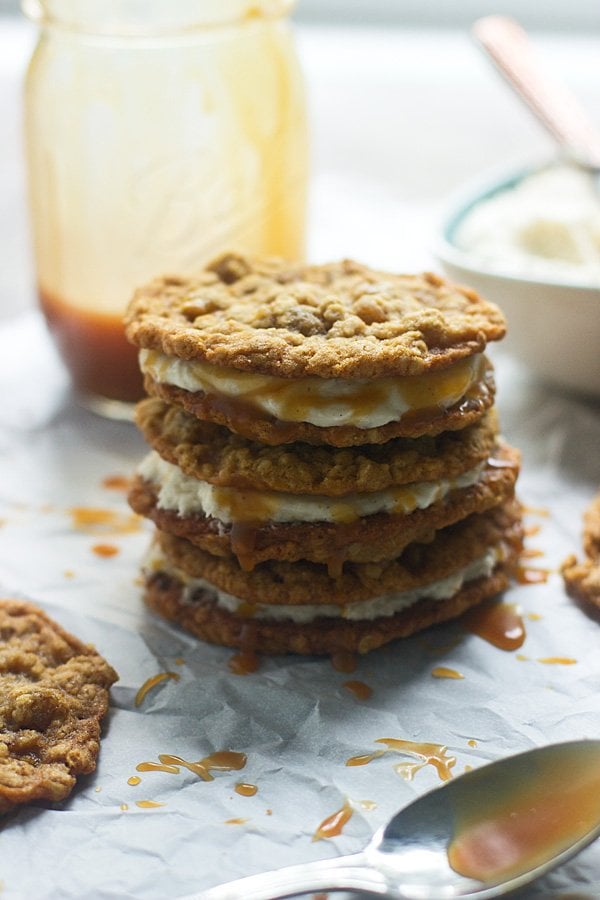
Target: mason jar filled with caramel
x,y
158,134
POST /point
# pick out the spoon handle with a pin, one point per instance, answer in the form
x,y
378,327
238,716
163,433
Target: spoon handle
x,y
507,44
340,873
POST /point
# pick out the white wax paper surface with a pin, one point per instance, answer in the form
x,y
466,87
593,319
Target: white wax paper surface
x,y
293,718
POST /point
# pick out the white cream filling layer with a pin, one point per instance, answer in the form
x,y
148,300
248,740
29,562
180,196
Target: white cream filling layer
x,y
325,402
189,496
386,605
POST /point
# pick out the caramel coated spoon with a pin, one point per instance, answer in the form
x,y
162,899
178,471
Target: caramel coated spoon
x,y
484,834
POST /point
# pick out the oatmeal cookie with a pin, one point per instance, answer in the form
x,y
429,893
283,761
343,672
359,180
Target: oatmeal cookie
x,y
582,579
257,426
340,320
367,538
214,454
53,695
324,635
301,583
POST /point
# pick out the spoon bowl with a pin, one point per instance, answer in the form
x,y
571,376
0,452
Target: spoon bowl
x,y
481,835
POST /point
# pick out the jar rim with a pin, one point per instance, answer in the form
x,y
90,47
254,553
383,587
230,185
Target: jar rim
x,y
150,18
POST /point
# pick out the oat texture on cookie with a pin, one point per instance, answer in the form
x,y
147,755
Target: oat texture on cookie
x,y
53,696
326,467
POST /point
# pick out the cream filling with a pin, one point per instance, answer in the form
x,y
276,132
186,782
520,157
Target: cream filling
x,y
325,402
384,606
189,496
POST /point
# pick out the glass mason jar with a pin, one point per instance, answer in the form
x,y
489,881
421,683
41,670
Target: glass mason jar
x,y
158,134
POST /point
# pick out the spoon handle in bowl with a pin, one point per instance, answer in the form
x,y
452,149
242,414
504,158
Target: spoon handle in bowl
x,y
340,873
507,44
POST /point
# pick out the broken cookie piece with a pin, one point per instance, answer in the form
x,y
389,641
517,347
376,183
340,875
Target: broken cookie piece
x,y
53,695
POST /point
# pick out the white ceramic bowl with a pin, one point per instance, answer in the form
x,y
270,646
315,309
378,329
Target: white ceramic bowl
x,y
553,327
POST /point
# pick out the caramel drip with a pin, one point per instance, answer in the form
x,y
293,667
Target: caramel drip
x,y
124,807
364,758
498,623
531,553
334,824
528,575
156,767
426,754
445,672
220,761
344,661
148,804
532,822
151,683
244,537
237,821
558,660
244,662
116,483
105,550
534,617
246,790
536,511
360,690
532,530
472,742
134,780
252,507
103,521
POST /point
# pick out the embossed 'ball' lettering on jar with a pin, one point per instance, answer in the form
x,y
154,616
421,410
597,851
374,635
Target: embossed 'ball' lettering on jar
x,y
157,135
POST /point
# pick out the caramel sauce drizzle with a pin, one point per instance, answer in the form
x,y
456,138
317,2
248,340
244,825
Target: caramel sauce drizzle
x,y
245,790
558,660
344,661
235,821
105,550
536,511
334,824
124,807
244,662
472,742
531,553
445,672
116,483
103,521
134,780
500,624
148,804
532,530
426,754
220,761
360,690
530,575
151,683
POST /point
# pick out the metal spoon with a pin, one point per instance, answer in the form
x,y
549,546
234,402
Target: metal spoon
x,y
501,826
507,44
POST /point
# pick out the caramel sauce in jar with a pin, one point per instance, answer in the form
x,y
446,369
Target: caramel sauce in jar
x,y
95,350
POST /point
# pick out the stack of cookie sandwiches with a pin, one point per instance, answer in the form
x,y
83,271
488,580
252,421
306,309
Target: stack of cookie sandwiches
x,y
326,471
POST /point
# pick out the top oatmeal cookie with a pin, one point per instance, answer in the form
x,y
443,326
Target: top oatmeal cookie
x,y
338,320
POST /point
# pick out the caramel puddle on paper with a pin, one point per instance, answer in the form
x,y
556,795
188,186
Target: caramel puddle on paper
x,y
344,662
360,690
245,790
558,660
134,780
445,672
93,520
148,804
105,550
498,623
531,821
426,754
152,682
116,483
235,821
220,761
334,824
243,663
